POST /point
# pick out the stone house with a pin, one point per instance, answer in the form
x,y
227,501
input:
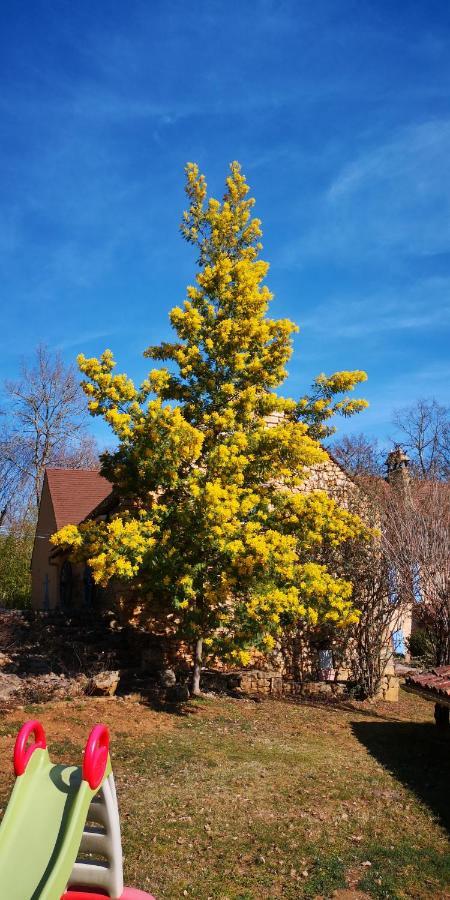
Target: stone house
x,y
69,496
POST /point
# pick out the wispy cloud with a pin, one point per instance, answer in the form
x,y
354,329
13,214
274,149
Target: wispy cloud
x,y
86,337
391,199
405,158
422,305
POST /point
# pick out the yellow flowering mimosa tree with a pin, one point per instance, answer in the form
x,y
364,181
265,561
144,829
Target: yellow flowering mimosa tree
x,y
210,458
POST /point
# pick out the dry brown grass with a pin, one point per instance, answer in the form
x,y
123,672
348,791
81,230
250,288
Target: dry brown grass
x,y
234,800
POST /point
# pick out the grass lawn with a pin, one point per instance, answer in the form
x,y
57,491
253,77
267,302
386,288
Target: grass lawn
x,y
239,800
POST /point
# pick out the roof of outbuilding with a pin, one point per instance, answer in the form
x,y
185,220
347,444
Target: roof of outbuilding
x,y
434,684
75,493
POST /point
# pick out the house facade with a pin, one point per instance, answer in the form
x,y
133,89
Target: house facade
x,y
68,497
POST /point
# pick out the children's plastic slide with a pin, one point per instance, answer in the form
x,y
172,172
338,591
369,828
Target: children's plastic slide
x,y
60,835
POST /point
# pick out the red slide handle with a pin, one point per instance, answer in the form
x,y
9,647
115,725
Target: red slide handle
x,y
96,756
22,752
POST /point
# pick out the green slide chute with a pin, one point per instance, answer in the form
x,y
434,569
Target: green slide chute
x,y
43,826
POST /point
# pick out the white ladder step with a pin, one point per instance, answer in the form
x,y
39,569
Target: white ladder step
x,y
107,872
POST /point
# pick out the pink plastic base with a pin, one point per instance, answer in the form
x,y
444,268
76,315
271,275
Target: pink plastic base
x,y
133,894
128,894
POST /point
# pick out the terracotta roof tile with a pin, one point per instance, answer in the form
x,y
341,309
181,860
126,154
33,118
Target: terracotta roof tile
x,y
75,493
436,682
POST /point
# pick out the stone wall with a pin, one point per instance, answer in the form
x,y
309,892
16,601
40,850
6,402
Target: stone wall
x,y
254,682
348,493
329,477
389,688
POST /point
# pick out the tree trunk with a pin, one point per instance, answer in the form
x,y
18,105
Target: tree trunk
x,y
296,667
196,692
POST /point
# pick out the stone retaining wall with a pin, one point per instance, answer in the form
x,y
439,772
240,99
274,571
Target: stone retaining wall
x,y
256,682
389,688
253,682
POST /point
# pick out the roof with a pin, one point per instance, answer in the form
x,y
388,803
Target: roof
x,y
435,685
75,493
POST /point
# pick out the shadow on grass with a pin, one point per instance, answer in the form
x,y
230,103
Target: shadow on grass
x,y
417,755
337,704
182,709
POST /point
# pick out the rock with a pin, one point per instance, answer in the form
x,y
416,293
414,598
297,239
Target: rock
x,y
389,689
339,690
177,693
38,665
40,688
233,680
5,660
314,688
104,684
10,686
167,678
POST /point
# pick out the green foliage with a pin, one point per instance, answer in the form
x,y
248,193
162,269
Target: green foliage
x,y
15,559
325,401
421,646
211,525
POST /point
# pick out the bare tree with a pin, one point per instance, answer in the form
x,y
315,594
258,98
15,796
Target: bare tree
x,y
44,424
367,647
8,485
425,435
358,455
417,538
372,643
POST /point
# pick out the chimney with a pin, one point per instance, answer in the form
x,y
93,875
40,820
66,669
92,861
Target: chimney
x,y
397,470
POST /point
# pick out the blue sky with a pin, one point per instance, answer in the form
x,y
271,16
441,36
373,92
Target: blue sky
x,y
339,113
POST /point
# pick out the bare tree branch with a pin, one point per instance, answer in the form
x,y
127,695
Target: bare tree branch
x,y
44,424
359,455
417,538
425,435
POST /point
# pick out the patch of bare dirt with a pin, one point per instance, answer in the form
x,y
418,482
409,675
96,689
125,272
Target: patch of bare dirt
x,y
72,722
